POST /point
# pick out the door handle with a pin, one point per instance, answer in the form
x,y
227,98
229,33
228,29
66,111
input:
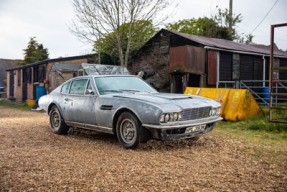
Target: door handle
x,y
68,99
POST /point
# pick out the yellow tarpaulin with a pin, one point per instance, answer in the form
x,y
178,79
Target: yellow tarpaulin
x,y
236,104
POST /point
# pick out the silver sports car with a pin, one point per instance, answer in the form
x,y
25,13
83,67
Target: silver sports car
x,y
127,106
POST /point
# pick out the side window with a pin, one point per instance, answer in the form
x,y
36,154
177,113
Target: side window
x,y
89,90
89,87
65,88
78,87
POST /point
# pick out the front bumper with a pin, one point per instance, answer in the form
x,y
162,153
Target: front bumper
x,y
178,131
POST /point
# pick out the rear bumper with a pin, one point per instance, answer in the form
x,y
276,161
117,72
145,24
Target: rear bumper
x,y
176,132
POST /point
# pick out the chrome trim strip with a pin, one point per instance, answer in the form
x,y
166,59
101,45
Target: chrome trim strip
x,y
91,127
181,125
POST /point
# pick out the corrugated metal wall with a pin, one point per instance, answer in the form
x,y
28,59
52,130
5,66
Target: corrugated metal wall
x,y
283,73
187,59
246,67
212,67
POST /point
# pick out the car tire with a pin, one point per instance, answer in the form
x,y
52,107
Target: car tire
x,y
57,123
129,131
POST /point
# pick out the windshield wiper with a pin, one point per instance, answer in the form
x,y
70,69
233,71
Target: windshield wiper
x,y
111,90
130,90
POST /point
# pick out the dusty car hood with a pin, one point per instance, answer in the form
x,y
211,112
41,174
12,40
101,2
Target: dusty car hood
x,y
179,100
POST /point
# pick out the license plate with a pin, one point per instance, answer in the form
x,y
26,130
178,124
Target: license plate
x,y
195,128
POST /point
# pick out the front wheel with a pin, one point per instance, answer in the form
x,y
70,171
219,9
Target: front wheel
x,y
129,130
57,123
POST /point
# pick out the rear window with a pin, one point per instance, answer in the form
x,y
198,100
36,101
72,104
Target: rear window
x,y
65,88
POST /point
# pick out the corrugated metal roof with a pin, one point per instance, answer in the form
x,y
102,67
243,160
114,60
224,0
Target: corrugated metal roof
x,y
67,68
50,61
229,45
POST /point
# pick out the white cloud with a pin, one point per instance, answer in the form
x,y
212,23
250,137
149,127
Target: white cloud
x,y
48,21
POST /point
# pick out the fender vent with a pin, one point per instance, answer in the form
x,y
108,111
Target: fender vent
x,y
106,107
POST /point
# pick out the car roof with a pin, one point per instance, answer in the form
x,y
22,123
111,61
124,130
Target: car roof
x,y
85,76
112,75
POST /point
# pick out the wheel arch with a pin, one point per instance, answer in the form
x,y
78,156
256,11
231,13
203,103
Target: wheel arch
x,y
54,104
119,112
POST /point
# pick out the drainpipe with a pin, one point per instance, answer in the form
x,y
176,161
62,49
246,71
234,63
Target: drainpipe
x,y
264,63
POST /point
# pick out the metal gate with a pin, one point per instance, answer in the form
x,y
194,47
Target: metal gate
x,y
274,80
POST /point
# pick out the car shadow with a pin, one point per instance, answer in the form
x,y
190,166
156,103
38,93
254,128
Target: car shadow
x,y
203,142
151,145
92,135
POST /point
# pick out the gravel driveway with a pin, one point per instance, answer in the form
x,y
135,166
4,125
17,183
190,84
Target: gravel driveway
x,y
34,159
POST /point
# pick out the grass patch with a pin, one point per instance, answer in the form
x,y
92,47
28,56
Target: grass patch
x,y
256,128
16,105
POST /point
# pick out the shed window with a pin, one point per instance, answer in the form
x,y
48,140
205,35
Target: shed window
x,y
78,87
79,73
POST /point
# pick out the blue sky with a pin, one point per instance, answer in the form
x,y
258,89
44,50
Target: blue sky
x,y
48,21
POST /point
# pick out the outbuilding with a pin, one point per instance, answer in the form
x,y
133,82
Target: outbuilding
x,y
23,80
173,60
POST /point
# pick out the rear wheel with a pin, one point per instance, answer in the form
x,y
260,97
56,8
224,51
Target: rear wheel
x,y
57,123
129,131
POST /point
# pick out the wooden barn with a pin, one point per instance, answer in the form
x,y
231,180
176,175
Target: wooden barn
x,y
173,61
23,80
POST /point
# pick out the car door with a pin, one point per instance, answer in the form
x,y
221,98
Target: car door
x,y
81,102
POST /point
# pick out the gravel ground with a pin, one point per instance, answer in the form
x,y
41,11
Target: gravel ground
x,y
34,159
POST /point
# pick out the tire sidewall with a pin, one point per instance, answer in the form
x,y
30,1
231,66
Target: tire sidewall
x,y
61,129
123,116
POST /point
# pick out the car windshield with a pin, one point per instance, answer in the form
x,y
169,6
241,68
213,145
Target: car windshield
x,y
114,84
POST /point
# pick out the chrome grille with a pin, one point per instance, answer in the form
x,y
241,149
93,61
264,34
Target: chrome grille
x,y
195,113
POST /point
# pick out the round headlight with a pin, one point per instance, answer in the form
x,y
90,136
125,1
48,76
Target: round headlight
x,y
166,117
175,116
179,116
212,112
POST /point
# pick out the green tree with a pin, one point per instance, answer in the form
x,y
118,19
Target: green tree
x,y
34,52
216,27
201,27
222,18
109,53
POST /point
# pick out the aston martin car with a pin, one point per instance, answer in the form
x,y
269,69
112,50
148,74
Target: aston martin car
x,y
127,106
